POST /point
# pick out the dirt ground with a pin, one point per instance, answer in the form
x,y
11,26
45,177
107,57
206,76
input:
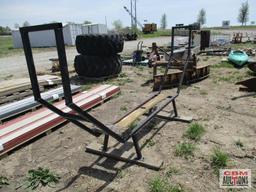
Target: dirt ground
x,y
214,102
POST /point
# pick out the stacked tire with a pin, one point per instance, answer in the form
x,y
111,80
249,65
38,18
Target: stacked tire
x,y
98,55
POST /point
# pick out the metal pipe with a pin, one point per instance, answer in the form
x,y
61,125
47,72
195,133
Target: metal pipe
x,y
30,63
63,65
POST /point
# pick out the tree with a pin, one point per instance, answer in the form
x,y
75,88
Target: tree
x,y
164,21
243,16
8,29
87,22
26,24
201,17
118,25
16,26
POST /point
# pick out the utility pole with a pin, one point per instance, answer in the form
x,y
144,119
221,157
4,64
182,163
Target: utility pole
x,y
135,10
131,16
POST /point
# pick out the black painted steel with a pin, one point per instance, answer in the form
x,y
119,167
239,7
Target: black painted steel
x,y
83,115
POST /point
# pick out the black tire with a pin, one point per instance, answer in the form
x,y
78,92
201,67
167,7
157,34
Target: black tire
x,y
99,45
95,67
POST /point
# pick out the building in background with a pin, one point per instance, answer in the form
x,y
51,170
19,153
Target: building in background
x,y
47,38
225,24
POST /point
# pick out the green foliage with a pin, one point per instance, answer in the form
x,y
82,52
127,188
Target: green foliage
x,y
158,33
86,22
150,143
224,64
195,131
122,75
123,108
118,25
3,181
185,150
159,184
219,159
202,17
6,45
5,30
26,24
40,177
164,21
171,171
243,16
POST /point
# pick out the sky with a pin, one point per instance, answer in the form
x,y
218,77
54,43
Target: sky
x,y
99,11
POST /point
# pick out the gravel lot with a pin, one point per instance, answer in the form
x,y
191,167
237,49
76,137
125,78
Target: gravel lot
x,y
16,65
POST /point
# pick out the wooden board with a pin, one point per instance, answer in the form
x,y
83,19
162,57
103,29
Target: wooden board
x,y
173,77
129,119
11,86
24,128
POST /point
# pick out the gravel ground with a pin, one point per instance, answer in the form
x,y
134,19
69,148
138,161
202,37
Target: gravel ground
x,y
15,66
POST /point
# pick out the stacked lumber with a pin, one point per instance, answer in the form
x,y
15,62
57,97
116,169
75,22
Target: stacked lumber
x,y
27,104
19,88
27,127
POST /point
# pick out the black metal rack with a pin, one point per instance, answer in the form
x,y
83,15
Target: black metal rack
x,y
81,115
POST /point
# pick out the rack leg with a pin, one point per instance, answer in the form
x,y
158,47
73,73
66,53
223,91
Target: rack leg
x,y
105,145
137,147
175,108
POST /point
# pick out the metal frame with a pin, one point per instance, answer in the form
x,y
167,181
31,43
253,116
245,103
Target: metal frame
x,y
81,115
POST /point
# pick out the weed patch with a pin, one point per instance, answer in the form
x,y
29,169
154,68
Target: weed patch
x,y
219,159
3,181
194,132
185,150
161,184
40,177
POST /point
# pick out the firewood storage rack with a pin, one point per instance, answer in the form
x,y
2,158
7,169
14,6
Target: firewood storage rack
x,y
150,108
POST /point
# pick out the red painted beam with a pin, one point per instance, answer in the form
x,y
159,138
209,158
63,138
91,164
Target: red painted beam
x,y
29,126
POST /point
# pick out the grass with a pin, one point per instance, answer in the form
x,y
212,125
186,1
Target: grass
x,y
185,150
158,33
224,64
251,73
122,75
239,143
161,184
171,171
195,132
7,49
232,77
242,46
203,92
120,174
40,177
233,27
124,108
150,143
87,86
120,81
219,159
3,181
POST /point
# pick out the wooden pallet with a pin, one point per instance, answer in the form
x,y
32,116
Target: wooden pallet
x,y
193,75
20,130
19,88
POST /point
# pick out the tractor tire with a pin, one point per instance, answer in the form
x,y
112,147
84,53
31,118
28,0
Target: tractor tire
x,y
96,67
99,45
